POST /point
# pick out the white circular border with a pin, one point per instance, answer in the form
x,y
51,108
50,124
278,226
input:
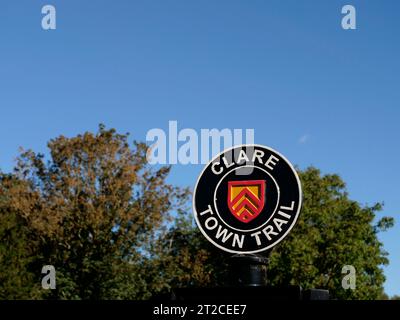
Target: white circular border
x,y
273,213
287,231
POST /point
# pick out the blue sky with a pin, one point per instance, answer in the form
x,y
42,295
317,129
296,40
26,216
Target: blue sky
x,y
284,68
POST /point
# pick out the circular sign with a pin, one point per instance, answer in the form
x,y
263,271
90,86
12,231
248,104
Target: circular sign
x,y
247,199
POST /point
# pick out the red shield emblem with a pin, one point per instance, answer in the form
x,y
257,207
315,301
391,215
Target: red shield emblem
x,y
246,199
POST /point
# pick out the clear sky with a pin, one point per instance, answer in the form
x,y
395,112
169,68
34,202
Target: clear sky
x,y
320,95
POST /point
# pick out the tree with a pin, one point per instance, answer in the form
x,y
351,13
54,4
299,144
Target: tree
x,y
17,249
333,231
113,228
93,209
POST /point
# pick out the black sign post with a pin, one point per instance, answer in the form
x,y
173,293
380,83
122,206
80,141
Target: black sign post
x,y
246,201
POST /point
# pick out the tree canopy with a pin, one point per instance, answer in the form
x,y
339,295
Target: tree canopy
x,y
114,228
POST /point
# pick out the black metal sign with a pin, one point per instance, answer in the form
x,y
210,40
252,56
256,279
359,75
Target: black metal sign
x,y
247,199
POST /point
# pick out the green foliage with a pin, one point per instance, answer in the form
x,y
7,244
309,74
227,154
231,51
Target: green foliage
x,y
333,231
114,229
17,281
92,210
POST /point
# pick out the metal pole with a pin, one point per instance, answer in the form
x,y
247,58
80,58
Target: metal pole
x,y
249,270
